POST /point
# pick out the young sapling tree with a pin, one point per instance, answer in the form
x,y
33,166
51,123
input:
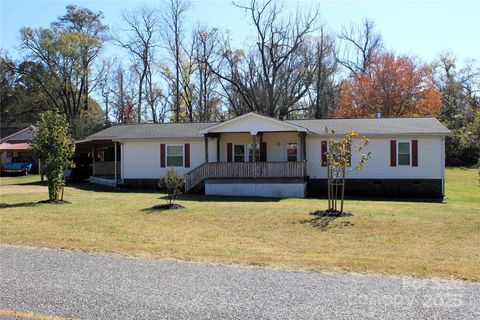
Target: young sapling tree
x,y
172,185
339,164
52,143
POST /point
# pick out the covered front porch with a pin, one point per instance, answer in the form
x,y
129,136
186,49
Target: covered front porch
x,y
249,153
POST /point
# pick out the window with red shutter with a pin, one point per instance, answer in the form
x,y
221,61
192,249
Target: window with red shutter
x,y
324,153
263,151
393,153
229,152
414,153
187,155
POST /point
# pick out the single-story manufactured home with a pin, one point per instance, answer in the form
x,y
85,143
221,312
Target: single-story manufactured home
x,y
254,155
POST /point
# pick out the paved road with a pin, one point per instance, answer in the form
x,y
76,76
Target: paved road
x,y
94,286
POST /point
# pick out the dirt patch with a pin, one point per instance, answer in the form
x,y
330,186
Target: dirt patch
x,y
331,213
322,219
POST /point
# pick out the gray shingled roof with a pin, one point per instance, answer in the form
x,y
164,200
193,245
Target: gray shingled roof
x,y
397,126
384,126
151,131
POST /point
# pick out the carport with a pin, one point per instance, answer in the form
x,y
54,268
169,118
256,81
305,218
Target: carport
x,y
106,160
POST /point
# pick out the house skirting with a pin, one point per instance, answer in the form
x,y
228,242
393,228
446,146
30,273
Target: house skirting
x,y
299,188
391,188
141,183
272,188
105,181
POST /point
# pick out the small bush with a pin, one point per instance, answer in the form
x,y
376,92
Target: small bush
x,y
172,184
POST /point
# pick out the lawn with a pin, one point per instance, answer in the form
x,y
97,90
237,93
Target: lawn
x,y
410,238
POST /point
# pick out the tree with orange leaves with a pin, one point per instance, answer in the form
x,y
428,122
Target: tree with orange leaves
x,y
394,86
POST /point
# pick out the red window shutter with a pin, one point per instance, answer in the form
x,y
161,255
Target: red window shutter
x,y
229,152
393,153
162,155
187,155
349,160
414,153
324,153
263,151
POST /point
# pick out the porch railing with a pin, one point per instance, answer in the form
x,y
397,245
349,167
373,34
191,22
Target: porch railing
x,y
249,170
105,168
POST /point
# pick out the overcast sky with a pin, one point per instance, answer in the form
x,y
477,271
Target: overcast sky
x,y
419,28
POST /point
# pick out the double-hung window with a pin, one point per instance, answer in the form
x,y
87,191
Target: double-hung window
x,y
404,153
175,156
257,153
292,152
239,153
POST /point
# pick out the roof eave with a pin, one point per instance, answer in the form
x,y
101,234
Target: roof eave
x,y
388,134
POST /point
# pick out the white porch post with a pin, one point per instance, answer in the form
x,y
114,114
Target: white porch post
x,y
93,159
303,146
206,147
254,146
115,159
218,147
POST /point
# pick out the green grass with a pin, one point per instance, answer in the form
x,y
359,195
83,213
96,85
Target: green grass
x,y
412,238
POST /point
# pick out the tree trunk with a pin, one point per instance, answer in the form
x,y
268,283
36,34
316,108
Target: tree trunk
x,y
343,189
52,192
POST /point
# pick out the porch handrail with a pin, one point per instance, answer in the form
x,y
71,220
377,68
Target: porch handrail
x,y
102,168
240,170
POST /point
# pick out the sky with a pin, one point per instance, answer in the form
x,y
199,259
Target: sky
x,y
417,28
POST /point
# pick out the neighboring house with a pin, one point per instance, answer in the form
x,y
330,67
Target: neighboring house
x,y
16,145
254,155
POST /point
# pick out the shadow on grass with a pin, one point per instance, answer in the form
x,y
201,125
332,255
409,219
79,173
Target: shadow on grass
x,y
30,183
163,207
204,198
18,205
323,222
87,186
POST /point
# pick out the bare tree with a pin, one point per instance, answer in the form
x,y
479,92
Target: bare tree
x,y
360,44
105,87
206,43
142,28
278,71
187,68
124,95
174,20
324,91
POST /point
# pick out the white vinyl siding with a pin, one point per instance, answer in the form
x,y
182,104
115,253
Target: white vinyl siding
x,y
141,159
378,166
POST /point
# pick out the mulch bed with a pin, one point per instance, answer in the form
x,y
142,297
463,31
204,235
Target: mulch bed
x,y
55,201
331,213
167,206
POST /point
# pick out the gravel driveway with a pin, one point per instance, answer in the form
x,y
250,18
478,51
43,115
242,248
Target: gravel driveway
x,y
95,286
